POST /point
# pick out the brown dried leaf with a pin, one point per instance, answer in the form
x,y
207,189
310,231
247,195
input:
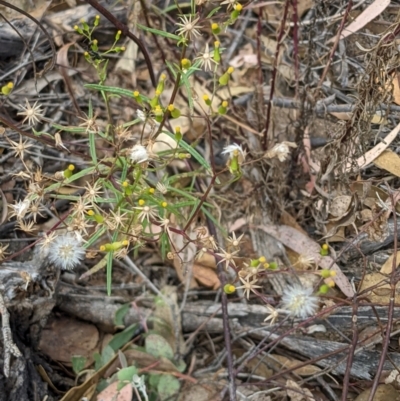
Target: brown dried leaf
x,y
371,12
206,276
389,161
289,363
373,153
296,393
340,205
388,265
381,292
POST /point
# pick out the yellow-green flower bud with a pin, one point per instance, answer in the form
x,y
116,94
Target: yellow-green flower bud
x,y
254,262
151,191
96,20
164,204
158,113
94,46
323,289
229,288
273,265
160,86
6,89
224,79
217,54
99,218
207,100
69,170
325,273
223,108
236,12
85,25
137,97
115,246
175,113
185,63
184,156
156,100
178,134
215,28
141,202
117,35
324,251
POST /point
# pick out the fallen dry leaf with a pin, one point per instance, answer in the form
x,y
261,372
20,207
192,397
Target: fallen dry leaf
x,y
289,363
371,12
296,393
389,161
373,153
388,265
380,293
396,87
64,337
206,276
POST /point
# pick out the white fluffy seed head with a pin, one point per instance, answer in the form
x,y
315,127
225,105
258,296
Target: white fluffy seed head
x,y
299,301
65,251
233,149
138,154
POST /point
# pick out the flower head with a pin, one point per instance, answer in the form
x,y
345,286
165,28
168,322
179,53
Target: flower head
x,y
138,154
234,150
65,251
248,285
206,59
227,257
3,252
32,113
273,315
20,209
188,27
19,147
280,150
299,301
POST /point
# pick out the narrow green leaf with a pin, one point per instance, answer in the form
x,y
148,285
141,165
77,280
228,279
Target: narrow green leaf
x,y
114,90
159,33
92,147
212,12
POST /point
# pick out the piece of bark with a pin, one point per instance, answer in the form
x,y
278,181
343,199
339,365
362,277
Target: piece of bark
x,y
361,245
28,292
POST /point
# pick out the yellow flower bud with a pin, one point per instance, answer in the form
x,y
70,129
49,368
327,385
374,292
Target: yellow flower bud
x,y
185,63
229,288
215,28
